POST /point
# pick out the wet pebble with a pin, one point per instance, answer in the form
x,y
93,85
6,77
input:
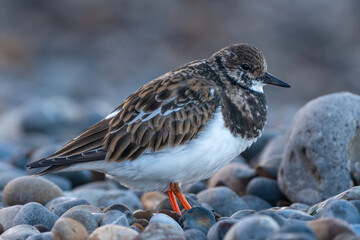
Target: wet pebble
x,y
113,217
62,204
109,232
34,213
160,231
266,189
19,232
256,203
82,216
223,200
219,229
199,218
7,215
253,227
26,189
68,229
150,200
192,234
234,176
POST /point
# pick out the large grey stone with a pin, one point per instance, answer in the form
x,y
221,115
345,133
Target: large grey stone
x,y
19,232
322,154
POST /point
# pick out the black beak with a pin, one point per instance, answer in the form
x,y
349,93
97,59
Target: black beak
x,y
267,78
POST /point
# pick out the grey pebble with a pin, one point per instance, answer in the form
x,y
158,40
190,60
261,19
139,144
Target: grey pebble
x,y
193,234
124,209
163,218
61,182
41,236
219,229
256,203
8,175
297,228
294,214
194,188
342,209
356,229
300,206
266,189
253,227
7,215
113,217
62,204
19,232
242,213
34,213
156,231
199,218
279,219
77,178
292,236
223,200
84,217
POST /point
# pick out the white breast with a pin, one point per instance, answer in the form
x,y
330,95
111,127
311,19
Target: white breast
x,y
197,160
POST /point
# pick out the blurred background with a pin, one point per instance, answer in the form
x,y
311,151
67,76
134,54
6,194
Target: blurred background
x,y
66,64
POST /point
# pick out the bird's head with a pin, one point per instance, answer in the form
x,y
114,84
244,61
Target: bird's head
x,y
244,65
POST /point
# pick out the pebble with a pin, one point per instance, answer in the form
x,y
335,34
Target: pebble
x,y
279,219
165,204
258,146
194,188
160,231
41,228
61,182
150,200
242,213
300,206
192,234
329,228
34,213
253,227
7,175
62,204
199,218
163,218
99,197
1,229
174,215
325,128
109,232
291,213
356,229
234,176
26,189
341,209
19,232
103,185
223,200
266,189
298,228
138,214
41,236
256,203
82,216
113,217
271,157
77,178
7,215
219,230
89,208
68,229
292,236
124,209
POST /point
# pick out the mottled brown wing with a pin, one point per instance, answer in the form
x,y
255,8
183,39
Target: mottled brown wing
x,y
163,113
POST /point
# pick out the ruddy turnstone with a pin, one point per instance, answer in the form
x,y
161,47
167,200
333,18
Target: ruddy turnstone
x,y
178,129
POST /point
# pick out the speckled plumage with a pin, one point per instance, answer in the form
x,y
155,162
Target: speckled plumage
x,y
181,113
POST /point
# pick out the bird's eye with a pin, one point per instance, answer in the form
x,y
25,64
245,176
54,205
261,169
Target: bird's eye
x,y
245,66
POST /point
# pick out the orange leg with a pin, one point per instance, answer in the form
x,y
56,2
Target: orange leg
x,y
173,202
175,188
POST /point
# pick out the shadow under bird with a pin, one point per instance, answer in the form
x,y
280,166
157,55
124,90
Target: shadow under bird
x,y
178,129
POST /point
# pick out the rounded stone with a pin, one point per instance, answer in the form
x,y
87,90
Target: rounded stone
x,y
329,228
300,206
62,204
341,209
113,232
7,216
292,236
143,214
34,213
219,229
113,217
163,218
26,189
297,228
192,234
19,232
223,200
150,200
253,227
68,229
234,176
124,209
199,218
157,231
256,203
89,208
41,236
242,213
61,182
279,219
194,188
291,213
322,155
82,216
41,228
266,189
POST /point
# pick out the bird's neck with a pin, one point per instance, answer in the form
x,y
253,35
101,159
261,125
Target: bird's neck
x,y
244,111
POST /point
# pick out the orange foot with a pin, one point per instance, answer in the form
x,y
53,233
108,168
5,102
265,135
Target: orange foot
x,y
176,191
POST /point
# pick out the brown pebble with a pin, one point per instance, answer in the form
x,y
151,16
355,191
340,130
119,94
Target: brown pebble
x,y
143,214
68,229
138,226
329,228
171,214
109,232
142,222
